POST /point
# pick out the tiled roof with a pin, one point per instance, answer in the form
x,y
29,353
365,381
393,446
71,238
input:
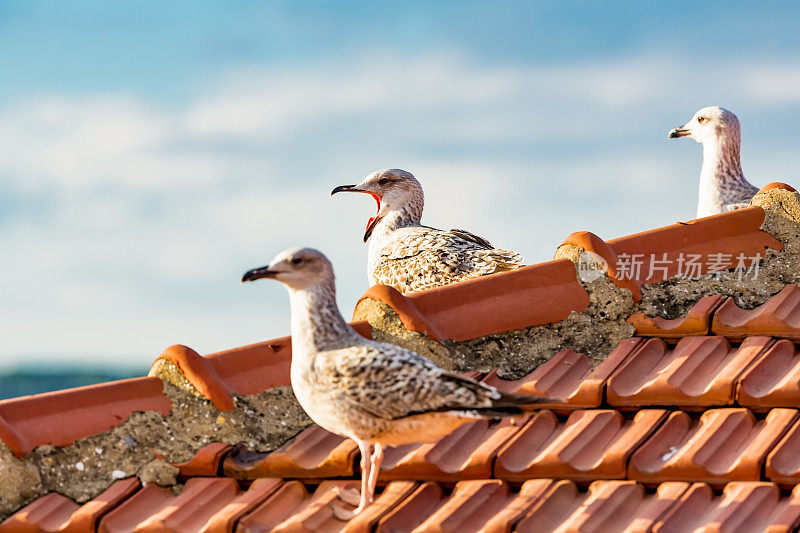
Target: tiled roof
x,y
691,424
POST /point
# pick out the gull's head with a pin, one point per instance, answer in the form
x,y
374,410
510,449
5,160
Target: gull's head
x,y
710,124
393,190
298,268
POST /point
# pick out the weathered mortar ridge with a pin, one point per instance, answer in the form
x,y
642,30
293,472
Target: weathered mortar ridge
x,y
675,296
146,443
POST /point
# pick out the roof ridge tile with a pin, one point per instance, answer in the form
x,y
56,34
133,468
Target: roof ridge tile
x,y
657,251
543,293
30,421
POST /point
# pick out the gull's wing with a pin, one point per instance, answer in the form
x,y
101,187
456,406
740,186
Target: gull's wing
x,y
421,258
390,382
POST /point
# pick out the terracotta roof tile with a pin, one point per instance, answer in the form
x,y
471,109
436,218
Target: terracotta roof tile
x,y
314,453
696,322
783,462
467,453
569,376
204,505
409,513
779,316
658,251
697,372
773,380
723,445
742,506
590,444
62,417
486,505
538,294
57,513
205,462
292,508
605,506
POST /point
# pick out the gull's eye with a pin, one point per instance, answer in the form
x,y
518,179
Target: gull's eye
x,y
297,261
383,181
700,120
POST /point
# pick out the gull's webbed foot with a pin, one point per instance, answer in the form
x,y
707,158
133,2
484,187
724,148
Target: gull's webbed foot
x,y
351,496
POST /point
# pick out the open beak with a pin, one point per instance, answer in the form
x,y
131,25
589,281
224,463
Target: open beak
x,y
680,131
373,221
258,273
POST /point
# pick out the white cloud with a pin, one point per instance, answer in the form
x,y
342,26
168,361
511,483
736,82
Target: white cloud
x,y
131,221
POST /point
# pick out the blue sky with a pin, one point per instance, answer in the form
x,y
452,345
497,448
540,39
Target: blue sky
x,y
150,153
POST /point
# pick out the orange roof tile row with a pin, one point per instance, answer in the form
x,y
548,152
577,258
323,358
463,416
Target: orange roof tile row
x,y
651,445
697,372
779,316
220,505
569,377
57,513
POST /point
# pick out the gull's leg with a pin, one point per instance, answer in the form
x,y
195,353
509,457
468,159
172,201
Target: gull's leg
x,y
349,495
374,469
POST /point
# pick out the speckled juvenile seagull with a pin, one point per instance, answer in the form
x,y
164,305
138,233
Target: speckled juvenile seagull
x,y
411,257
376,394
723,186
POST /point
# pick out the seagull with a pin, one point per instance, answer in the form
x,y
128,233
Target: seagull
x,y
411,257
373,393
723,186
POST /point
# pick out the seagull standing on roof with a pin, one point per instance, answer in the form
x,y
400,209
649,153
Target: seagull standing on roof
x,y
376,394
411,257
723,186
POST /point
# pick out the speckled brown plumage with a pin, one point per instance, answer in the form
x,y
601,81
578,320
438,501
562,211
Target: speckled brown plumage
x,y
374,393
411,257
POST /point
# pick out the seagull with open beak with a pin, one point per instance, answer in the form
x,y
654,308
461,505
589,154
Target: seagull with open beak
x,y
723,186
411,257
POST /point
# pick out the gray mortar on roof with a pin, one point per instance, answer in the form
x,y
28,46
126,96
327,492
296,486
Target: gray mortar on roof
x,y
87,467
